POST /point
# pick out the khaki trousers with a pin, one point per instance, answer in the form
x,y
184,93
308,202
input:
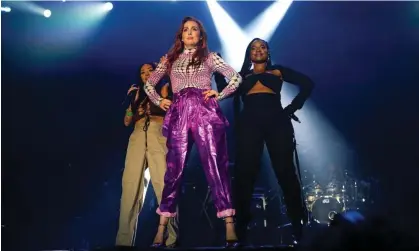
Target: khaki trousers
x,y
145,148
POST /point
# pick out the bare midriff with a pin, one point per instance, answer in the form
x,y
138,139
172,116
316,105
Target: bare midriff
x,y
260,88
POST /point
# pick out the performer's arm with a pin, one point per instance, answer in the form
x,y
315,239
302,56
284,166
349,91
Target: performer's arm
x,y
217,64
128,113
165,91
220,80
128,116
155,77
305,84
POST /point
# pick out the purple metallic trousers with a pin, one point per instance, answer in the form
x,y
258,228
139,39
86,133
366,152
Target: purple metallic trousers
x,y
191,119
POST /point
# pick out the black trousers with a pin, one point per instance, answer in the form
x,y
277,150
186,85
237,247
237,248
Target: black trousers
x,y
264,121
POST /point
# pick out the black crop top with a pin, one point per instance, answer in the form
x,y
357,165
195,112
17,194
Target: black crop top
x,y
269,80
275,82
149,107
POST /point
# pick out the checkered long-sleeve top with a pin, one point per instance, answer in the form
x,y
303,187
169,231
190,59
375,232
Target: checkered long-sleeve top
x,y
182,76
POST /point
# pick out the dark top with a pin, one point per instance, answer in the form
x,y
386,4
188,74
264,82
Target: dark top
x,y
274,83
149,107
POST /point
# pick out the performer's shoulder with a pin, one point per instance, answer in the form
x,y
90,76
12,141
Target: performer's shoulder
x,y
276,67
276,70
213,54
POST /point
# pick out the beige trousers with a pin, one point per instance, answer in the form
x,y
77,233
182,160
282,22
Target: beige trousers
x,y
145,148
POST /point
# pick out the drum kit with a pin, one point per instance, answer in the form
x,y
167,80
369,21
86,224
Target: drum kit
x,y
337,196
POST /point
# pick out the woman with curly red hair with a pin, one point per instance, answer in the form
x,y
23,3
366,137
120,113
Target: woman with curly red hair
x,y
194,116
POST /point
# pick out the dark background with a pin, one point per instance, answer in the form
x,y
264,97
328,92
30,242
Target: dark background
x,y
63,140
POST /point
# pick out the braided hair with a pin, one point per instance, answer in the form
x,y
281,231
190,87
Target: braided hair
x,y
247,63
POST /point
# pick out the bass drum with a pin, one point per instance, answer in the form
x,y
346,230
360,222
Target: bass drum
x,y
325,208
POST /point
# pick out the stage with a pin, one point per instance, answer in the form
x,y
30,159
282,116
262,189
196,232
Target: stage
x,y
265,248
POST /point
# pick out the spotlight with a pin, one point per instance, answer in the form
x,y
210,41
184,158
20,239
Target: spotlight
x,y
6,9
47,13
108,6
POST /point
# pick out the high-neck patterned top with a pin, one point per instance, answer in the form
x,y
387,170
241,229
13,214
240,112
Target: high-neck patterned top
x,y
182,76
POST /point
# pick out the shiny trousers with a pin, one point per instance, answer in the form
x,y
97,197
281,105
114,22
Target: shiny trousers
x,y
145,148
263,121
191,119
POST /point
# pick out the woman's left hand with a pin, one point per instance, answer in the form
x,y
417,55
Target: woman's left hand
x,y
210,93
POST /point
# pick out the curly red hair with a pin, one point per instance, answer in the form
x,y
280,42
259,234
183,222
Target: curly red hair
x,y
201,52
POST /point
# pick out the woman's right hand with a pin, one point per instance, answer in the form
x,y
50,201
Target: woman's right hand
x,y
132,88
165,104
163,60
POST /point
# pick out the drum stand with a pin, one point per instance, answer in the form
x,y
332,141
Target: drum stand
x,y
261,196
276,194
204,207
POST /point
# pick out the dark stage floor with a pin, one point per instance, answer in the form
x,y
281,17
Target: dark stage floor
x,y
266,248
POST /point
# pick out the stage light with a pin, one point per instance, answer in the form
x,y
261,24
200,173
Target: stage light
x,y
6,9
47,13
108,6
